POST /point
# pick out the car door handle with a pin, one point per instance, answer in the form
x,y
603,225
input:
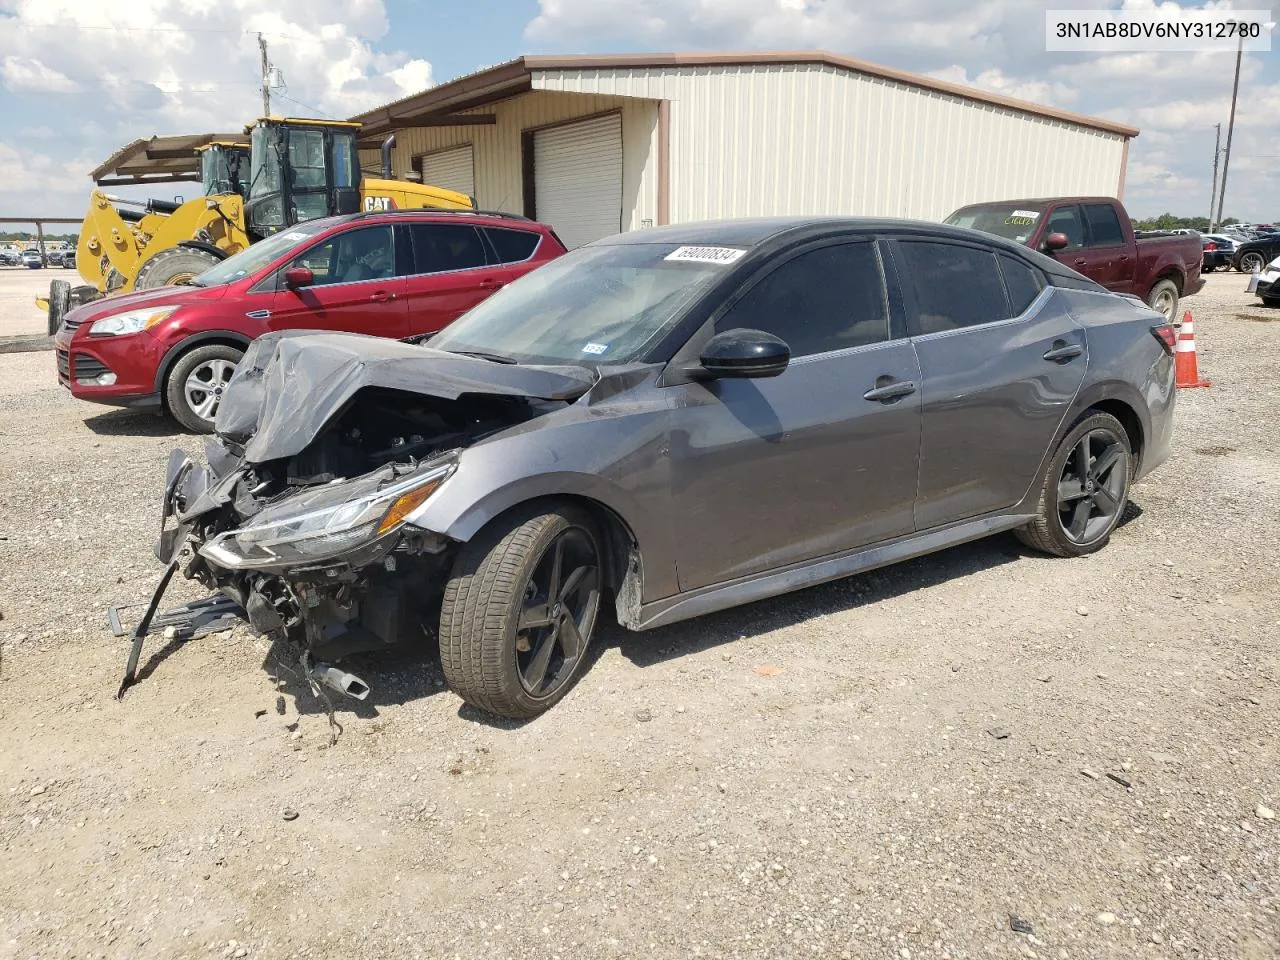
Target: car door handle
x,y
1061,351
890,391
382,296
1080,261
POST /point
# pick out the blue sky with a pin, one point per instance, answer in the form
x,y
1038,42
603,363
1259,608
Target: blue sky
x,y
74,84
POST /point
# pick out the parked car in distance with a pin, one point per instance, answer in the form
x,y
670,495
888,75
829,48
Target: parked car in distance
x,y
10,258
1217,252
682,419
1266,284
31,258
395,274
1094,236
1252,255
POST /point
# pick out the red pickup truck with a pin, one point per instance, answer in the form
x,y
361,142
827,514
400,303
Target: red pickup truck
x,y
1094,236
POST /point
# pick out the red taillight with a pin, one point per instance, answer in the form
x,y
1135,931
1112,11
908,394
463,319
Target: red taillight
x,y
1211,246
1167,336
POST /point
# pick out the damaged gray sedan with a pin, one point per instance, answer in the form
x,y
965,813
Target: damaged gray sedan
x,y
680,420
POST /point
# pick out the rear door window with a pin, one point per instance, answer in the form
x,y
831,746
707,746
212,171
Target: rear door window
x,y
1104,225
512,246
1022,281
831,298
954,286
445,247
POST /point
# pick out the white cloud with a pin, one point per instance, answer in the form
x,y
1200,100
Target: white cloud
x,y
187,66
23,73
996,81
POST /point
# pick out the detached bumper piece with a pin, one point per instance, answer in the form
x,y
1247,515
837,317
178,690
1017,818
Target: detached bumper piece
x,y
188,622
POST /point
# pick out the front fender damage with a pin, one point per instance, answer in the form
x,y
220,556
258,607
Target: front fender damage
x,y
299,516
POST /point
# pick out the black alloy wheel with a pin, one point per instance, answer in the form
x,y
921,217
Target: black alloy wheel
x,y
520,608
1093,487
560,603
1084,488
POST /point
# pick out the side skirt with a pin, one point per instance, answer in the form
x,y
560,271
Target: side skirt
x,y
721,596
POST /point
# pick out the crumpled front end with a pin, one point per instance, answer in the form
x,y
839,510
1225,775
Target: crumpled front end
x,y
300,514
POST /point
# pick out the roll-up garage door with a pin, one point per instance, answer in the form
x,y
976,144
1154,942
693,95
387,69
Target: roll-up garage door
x,y
451,169
577,179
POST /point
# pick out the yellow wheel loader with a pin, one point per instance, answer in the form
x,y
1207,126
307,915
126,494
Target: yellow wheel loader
x,y
298,170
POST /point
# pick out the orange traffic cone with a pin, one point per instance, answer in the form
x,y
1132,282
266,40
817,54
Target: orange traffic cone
x,y
1186,370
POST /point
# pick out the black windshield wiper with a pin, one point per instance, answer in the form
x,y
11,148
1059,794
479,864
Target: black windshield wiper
x,y
483,355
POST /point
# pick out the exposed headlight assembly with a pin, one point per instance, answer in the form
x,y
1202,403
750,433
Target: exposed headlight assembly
x,y
133,321
281,536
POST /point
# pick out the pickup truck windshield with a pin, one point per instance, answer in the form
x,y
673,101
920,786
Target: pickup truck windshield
x,y
1013,221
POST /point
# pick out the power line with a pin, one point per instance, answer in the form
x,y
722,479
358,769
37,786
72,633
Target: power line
x,y
113,29
323,115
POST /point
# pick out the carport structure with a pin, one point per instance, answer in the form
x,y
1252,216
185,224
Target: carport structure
x,y
158,160
597,144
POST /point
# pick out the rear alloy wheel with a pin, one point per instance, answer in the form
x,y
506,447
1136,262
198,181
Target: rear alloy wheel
x,y
196,383
1163,299
1252,263
519,612
1084,489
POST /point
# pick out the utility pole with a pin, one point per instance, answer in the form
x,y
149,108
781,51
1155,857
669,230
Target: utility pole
x,y
1213,193
1231,125
266,78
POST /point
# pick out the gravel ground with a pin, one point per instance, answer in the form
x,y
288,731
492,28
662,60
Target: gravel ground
x,y
984,753
19,287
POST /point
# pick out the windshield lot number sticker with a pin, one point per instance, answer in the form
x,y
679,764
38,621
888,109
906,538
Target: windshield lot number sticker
x,y
1023,218
596,348
723,255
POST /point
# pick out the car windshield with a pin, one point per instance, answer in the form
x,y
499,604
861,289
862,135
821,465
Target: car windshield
x,y
596,305
259,255
1013,221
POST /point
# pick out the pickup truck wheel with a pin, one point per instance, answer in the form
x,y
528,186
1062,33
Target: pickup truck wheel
x,y
519,611
1163,299
193,389
1252,263
1084,489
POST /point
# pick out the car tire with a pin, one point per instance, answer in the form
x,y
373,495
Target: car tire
x,y
59,304
1271,301
1072,522
1252,262
191,406
175,265
513,641
1163,299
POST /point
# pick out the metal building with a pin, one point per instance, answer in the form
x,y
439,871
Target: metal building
x,y
597,144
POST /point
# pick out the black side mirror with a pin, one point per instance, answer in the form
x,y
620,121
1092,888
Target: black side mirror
x,y
744,353
1056,241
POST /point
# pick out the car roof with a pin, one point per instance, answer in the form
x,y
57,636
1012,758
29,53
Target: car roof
x,y
482,218
757,231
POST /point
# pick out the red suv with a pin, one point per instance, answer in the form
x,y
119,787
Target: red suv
x,y
398,274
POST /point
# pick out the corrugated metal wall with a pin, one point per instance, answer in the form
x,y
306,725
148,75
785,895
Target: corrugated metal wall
x,y
498,173
796,139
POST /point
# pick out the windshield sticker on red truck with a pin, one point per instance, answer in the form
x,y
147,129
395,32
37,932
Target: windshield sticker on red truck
x,y
1023,218
723,255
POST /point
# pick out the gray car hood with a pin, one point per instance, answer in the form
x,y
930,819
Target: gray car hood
x,y
290,384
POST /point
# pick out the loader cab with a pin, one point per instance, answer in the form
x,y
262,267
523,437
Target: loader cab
x,y
300,170
224,168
